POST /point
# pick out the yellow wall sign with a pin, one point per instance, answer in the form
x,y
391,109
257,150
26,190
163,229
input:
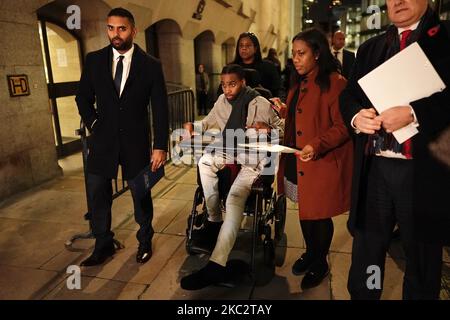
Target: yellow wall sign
x,y
18,85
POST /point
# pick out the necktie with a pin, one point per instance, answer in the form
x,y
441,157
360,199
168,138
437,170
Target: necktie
x,y
118,75
407,146
336,54
403,37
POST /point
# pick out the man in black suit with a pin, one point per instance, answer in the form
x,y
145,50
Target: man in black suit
x,y
345,57
399,183
121,80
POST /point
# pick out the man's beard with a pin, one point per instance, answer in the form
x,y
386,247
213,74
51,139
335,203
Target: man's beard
x,y
122,46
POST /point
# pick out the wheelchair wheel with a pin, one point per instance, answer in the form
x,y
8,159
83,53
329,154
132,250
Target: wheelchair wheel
x,y
280,218
196,218
269,252
189,247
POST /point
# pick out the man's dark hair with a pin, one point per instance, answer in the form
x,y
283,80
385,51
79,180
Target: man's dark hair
x,y
121,12
234,69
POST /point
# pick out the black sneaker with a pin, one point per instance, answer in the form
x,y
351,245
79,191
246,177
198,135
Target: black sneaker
x,y
302,264
212,273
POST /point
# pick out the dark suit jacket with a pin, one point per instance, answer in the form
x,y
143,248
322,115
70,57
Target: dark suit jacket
x,y
348,59
431,187
121,133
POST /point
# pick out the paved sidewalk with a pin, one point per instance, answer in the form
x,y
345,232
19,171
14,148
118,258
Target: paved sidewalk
x,y
33,260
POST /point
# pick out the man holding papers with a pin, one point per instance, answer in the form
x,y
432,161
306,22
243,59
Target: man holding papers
x,y
397,180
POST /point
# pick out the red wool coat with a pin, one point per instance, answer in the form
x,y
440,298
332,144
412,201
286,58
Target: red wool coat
x,y
324,184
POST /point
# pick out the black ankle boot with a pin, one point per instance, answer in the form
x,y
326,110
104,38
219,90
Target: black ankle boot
x,y
302,264
212,273
315,275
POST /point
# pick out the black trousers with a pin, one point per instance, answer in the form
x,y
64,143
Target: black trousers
x,y
202,98
387,201
318,235
99,191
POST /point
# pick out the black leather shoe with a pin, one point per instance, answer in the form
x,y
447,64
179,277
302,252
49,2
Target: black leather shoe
x,y
212,273
143,254
315,276
302,264
98,257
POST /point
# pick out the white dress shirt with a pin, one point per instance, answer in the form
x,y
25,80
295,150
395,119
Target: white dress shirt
x,y
126,65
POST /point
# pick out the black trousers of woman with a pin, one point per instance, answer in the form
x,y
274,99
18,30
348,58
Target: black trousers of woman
x,y
318,235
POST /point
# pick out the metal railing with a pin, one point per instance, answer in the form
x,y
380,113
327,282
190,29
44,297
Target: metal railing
x,y
181,109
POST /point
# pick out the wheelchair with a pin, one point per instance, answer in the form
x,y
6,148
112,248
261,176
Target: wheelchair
x,y
267,210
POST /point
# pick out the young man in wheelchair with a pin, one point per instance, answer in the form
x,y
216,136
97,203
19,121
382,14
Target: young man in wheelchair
x,y
240,109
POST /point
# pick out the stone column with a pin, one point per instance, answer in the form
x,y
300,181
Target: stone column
x,y
27,144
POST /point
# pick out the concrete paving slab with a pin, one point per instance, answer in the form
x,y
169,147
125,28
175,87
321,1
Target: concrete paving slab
x,y
164,212
189,177
123,267
181,192
32,244
18,283
293,230
46,205
340,266
72,165
286,286
66,258
167,284
70,183
97,289
179,224
342,240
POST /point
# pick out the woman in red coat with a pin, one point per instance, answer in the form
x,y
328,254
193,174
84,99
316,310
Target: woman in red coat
x,y
318,177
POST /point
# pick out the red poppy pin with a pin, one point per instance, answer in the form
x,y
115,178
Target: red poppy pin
x,y
433,31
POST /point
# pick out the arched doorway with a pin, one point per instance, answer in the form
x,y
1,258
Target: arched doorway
x,y
63,52
203,49
204,54
165,36
63,59
228,51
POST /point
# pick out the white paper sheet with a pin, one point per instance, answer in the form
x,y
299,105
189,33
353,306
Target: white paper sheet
x,y
268,147
406,77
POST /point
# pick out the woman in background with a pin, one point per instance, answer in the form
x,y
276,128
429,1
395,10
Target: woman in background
x,y
202,88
